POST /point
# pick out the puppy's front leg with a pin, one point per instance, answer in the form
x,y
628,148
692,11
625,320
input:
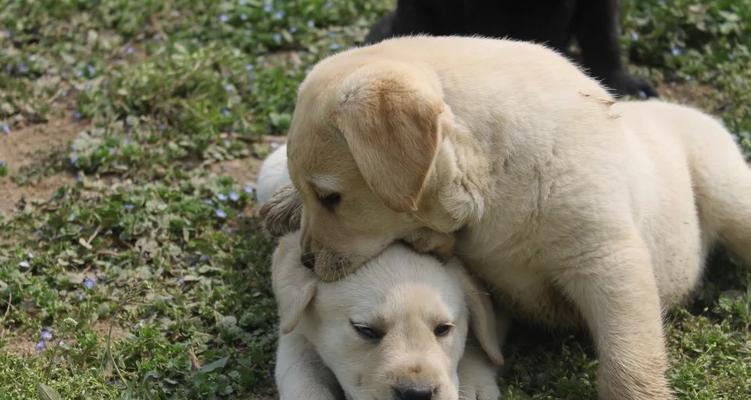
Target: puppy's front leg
x,y
300,373
477,375
615,290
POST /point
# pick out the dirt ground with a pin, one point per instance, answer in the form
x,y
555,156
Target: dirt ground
x,y
27,146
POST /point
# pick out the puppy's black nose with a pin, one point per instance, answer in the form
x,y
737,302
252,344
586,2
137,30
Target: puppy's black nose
x,y
308,260
413,392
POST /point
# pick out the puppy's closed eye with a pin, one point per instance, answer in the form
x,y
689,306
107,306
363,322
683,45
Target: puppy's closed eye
x,y
368,332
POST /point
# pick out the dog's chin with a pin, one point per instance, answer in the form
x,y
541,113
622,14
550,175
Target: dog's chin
x,y
331,266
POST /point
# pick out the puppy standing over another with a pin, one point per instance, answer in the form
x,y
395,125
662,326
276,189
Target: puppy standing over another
x,y
576,209
395,329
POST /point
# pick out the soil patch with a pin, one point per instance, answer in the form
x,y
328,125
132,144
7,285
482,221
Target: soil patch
x,y
30,145
245,170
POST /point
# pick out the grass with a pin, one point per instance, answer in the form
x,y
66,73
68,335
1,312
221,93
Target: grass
x,y
146,276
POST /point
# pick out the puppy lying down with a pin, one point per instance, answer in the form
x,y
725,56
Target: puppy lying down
x,y
395,329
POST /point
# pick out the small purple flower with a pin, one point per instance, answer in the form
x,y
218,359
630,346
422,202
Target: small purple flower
x,y
293,29
46,334
224,18
129,207
634,37
225,112
6,128
676,51
40,345
249,190
250,67
268,6
24,265
209,202
229,88
311,24
91,69
278,15
234,196
243,17
130,50
72,160
77,115
3,164
220,213
277,38
23,69
334,46
89,282
78,73
222,197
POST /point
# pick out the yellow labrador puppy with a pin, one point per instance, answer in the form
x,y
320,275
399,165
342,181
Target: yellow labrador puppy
x,y
395,329
578,210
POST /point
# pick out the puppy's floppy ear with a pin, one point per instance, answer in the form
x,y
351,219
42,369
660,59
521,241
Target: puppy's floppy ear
x,y
281,214
294,285
482,315
389,114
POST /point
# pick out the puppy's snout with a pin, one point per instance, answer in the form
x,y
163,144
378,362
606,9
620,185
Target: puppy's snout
x,y
308,259
413,392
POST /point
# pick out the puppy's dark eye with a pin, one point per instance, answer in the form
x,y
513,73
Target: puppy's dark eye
x,y
367,332
331,200
442,330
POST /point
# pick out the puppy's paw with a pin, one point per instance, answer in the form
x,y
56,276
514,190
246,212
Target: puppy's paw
x,y
623,84
480,390
281,214
426,240
477,376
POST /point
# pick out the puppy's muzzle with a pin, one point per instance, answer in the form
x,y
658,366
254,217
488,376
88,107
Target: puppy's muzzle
x,y
412,392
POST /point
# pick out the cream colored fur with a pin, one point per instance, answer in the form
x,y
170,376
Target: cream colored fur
x,y
402,293
576,209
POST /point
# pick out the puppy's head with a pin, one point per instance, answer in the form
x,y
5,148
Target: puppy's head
x,y
362,145
394,329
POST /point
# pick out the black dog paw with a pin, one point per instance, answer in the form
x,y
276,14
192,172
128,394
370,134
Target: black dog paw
x,y
622,84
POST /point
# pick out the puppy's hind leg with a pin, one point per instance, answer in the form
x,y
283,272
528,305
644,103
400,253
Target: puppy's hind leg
x,y
614,288
722,182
